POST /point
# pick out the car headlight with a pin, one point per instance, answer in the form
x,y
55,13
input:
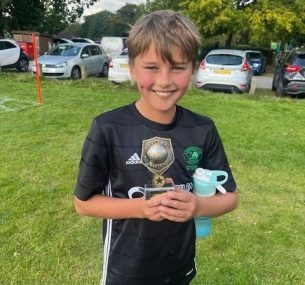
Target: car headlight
x,y
61,65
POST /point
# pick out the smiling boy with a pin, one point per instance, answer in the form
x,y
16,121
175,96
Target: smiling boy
x,y
152,242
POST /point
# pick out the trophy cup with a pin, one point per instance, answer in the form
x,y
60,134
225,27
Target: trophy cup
x,y
157,155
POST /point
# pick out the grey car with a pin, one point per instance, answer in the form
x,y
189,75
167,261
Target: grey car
x,y
289,74
74,60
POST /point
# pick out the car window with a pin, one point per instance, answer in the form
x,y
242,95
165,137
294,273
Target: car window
x,y
253,55
86,50
224,59
6,45
290,57
66,50
95,50
124,52
300,60
79,40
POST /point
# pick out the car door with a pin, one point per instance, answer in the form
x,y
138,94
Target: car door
x,y
97,59
87,60
9,53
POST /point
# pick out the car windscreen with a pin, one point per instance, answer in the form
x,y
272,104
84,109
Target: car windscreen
x,y
224,59
65,50
254,55
300,60
124,52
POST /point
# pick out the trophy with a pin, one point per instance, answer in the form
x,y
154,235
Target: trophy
x,y
157,155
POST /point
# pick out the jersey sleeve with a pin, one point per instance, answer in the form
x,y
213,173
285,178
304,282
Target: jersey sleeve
x,y
216,158
94,165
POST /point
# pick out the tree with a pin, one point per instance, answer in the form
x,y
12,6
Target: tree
x,y
4,17
97,25
279,21
45,16
216,17
155,5
130,13
260,21
106,23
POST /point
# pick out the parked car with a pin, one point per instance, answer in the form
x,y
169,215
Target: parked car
x,y
257,61
225,70
289,74
118,68
57,41
113,45
73,61
12,56
82,40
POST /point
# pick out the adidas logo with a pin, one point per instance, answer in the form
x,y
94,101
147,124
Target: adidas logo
x,y
134,159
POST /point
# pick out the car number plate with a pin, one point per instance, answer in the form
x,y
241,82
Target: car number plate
x,y
222,71
47,70
124,65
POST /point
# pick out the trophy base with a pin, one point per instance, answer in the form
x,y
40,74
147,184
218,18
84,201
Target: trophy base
x,y
151,190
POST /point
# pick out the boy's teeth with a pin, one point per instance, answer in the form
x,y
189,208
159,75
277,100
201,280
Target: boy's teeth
x,y
163,93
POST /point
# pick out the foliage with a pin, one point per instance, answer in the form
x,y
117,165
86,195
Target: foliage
x,y
96,25
254,22
106,23
268,21
43,240
48,16
155,5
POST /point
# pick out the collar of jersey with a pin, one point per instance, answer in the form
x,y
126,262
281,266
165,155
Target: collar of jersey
x,y
154,125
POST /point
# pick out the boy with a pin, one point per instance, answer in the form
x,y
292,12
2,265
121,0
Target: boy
x,y
152,242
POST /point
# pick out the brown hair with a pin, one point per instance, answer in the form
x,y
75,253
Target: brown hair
x,y
164,29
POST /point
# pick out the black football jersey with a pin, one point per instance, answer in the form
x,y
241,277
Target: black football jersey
x,y
122,152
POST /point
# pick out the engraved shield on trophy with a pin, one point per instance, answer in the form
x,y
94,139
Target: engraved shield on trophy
x,y
157,155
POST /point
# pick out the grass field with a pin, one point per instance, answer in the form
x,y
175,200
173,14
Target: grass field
x,y
42,239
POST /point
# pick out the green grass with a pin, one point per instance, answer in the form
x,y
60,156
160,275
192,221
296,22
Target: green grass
x,y
43,241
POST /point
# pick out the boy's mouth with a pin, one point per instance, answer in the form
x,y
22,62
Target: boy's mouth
x,y
164,93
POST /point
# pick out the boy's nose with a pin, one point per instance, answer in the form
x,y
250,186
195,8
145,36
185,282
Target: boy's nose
x,y
164,78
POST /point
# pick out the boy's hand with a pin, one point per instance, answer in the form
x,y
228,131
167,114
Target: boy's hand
x,y
151,208
178,205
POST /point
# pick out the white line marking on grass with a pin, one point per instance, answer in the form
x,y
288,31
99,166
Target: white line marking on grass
x,y
23,104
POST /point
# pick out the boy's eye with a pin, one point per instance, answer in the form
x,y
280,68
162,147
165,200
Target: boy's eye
x,y
151,67
178,67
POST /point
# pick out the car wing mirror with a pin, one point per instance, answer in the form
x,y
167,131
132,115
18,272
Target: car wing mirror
x,y
85,55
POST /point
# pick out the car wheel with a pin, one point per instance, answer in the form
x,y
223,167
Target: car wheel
x,y
76,73
279,89
23,65
105,70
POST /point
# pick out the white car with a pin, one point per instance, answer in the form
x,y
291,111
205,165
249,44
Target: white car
x,y
12,56
114,46
74,60
83,40
118,68
225,70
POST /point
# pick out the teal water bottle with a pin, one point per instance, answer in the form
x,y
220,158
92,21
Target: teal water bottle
x,y
205,183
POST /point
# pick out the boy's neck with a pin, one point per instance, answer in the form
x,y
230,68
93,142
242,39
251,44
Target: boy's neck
x,y
162,117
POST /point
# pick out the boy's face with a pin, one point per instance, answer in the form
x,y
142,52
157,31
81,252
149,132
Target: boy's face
x,y
160,83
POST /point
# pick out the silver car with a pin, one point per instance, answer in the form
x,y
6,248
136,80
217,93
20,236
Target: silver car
x,y
225,70
73,60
